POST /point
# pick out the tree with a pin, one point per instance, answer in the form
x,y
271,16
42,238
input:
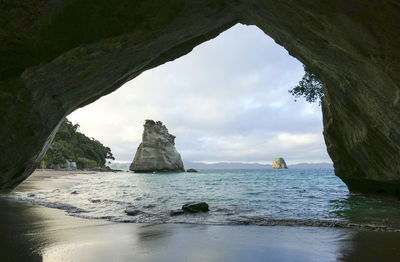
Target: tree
x,y
309,87
71,145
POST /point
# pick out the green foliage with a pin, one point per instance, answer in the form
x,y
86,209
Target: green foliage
x,y
71,145
83,163
309,87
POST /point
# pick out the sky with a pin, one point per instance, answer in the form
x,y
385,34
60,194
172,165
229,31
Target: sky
x,y
226,101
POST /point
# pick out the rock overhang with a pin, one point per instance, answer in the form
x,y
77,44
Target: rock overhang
x,y
57,56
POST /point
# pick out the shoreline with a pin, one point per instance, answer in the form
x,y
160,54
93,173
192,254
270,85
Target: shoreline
x,y
42,179
45,179
37,233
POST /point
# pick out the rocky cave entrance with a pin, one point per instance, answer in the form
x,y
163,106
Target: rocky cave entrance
x,y
69,55
226,101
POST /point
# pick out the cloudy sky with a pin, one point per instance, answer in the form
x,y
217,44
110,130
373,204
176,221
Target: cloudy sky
x,y
227,101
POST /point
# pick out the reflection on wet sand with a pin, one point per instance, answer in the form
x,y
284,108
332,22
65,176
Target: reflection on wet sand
x,y
360,211
370,246
18,229
31,233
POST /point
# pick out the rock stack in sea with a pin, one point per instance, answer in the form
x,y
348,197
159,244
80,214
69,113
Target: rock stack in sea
x,y
279,163
157,151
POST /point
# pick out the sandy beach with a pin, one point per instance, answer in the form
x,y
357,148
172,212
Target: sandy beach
x,y
34,233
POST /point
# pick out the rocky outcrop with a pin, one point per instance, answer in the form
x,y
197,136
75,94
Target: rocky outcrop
x,y
57,56
279,163
190,208
133,212
176,212
157,151
191,170
195,207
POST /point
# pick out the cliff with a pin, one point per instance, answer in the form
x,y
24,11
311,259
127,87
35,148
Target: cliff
x,y
58,56
157,152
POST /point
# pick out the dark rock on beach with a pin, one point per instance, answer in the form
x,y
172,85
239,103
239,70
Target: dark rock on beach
x,y
176,212
195,207
133,212
191,207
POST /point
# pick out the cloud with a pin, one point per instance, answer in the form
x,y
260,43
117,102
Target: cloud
x,y
227,100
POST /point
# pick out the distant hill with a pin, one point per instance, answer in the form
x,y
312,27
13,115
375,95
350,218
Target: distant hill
x,y
120,165
238,165
225,165
312,166
234,165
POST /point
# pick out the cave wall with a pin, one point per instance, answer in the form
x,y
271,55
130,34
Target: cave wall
x,y
353,46
57,56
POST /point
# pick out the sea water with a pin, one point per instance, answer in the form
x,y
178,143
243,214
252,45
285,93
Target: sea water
x,y
256,197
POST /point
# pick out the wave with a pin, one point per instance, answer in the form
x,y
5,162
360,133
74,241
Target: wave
x,y
224,217
260,221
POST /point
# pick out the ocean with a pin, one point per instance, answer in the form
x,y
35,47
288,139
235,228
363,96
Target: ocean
x,y
265,197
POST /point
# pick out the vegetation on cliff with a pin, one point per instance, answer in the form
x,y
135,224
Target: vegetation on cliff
x,y
309,87
69,145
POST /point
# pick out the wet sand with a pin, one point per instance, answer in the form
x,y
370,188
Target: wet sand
x,y
32,233
44,179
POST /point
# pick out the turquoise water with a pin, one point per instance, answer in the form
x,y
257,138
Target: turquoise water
x,y
258,197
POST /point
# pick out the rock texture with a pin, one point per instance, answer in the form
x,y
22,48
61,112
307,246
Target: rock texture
x,y
190,208
133,212
68,166
195,207
157,151
176,212
57,56
279,163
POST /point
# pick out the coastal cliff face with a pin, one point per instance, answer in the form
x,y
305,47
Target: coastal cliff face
x,y
157,152
57,56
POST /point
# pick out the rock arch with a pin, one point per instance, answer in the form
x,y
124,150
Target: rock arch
x,y
57,56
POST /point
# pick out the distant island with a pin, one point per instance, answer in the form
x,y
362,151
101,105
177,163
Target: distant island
x,y
73,150
279,163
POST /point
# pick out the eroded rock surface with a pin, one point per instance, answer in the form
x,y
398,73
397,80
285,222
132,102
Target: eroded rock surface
x,y
279,163
157,152
57,56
